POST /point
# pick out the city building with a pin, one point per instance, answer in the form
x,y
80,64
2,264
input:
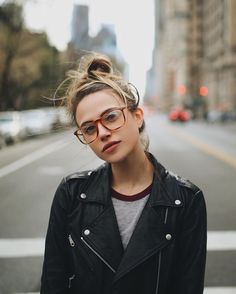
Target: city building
x,y
80,27
170,58
103,42
194,60
218,65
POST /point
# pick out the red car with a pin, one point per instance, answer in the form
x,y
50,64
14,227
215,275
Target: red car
x,y
181,115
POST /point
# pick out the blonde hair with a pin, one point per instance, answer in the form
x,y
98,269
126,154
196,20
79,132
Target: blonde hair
x,y
95,73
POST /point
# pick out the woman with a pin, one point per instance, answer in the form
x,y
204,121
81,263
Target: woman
x,y
130,226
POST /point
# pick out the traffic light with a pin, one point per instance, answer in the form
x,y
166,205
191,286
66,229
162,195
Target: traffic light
x,y
203,91
181,89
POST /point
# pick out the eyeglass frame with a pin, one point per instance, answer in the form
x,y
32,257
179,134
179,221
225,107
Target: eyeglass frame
x,y
99,120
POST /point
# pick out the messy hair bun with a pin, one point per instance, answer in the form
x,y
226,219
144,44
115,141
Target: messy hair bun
x,y
101,65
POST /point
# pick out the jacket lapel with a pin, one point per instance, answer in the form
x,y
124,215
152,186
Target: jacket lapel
x,y
104,236
150,233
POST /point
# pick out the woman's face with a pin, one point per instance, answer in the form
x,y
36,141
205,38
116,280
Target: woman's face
x,y
111,146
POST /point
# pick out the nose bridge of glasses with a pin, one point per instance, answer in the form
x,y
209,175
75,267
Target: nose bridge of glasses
x,y
101,127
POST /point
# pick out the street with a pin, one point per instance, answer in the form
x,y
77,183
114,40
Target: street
x,y
31,170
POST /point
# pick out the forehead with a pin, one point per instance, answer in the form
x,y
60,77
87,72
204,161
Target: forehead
x,y
92,105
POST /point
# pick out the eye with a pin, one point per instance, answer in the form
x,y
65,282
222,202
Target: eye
x,y
111,116
89,129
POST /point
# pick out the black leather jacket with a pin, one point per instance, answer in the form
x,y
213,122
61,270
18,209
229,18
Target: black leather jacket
x,y
84,253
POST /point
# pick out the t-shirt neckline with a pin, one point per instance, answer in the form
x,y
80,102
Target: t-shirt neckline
x,y
133,197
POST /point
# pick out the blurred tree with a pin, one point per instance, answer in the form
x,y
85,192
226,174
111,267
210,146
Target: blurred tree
x,y
29,65
35,71
11,25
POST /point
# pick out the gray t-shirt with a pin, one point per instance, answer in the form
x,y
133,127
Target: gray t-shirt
x,y
128,210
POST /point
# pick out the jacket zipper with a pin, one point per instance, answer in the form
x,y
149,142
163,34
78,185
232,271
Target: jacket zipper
x,y
159,257
166,215
98,255
158,272
72,243
70,280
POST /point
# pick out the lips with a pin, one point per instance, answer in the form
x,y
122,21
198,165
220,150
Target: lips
x,y
110,144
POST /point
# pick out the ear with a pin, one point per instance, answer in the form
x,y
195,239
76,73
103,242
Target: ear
x,y
139,116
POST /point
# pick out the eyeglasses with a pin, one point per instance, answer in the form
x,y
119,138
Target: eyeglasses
x,y
111,119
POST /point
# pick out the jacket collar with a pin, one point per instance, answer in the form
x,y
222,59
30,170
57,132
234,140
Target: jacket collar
x,y
98,186
160,194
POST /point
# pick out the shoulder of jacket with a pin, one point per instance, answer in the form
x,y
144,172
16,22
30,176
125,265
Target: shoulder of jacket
x,y
183,182
79,175
85,174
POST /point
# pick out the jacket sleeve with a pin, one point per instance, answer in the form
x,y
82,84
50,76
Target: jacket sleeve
x,y
192,247
56,267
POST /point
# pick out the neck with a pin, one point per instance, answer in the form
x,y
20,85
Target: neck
x,y
132,175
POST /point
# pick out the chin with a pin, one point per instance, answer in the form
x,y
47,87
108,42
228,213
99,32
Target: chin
x,y
113,157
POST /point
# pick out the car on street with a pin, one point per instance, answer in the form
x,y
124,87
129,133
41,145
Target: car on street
x,y
44,120
36,122
11,126
2,141
179,114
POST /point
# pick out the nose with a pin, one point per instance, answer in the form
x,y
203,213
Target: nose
x,y
102,131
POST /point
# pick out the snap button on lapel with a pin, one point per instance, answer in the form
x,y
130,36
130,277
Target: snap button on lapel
x,y
86,232
83,196
177,202
168,237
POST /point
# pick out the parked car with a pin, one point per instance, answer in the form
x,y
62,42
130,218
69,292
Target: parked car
x,y
36,122
179,114
214,116
58,118
11,126
64,117
44,120
2,141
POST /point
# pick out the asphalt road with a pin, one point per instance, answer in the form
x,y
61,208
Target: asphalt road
x,y
30,172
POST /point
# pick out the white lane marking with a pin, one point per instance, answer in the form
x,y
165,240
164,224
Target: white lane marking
x,y
220,290
12,167
51,170
13,248
221,240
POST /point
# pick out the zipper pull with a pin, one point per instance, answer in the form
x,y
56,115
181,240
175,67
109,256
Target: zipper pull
x,y
70,281
72,243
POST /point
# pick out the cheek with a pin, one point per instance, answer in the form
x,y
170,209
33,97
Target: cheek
x,y
132,132
135,124
93,147
96,149
136,120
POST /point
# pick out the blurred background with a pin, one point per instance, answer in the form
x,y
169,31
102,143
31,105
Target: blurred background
x,y
181,55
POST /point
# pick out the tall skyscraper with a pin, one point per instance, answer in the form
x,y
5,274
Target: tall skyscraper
x,y
80,27
195,49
